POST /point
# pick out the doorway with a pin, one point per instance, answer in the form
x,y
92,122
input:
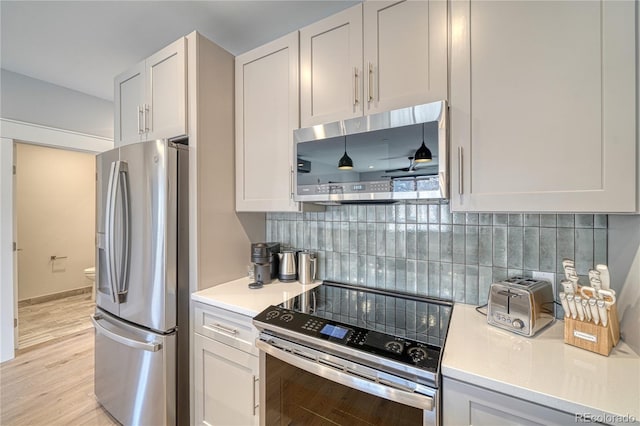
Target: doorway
x,y
55,218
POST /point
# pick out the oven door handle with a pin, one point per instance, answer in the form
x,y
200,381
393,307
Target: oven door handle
x,y
344,377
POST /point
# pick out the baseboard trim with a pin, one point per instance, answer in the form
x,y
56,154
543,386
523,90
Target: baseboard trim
x,y
54,296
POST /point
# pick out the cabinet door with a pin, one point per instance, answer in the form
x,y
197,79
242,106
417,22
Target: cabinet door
x,y
465,404
166,92
226,384
129,100
405,53
543,111
266,115
331,79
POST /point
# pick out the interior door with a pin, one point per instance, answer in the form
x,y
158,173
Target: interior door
x,y
16,251
148,281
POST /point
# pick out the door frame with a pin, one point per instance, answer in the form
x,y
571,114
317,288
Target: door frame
x,y
12,131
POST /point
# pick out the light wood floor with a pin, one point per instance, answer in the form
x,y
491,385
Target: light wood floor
x,y
52,384
53,319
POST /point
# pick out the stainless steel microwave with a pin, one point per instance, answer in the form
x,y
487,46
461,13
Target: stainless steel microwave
x,y
386,157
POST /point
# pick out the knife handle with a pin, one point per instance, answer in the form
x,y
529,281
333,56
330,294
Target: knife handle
x,y
567,286
565,304
587,311
567,263
594,311
604,276
572,305
578,302
602,311
596,285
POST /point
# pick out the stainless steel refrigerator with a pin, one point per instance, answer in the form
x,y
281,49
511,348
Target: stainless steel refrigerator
x,y
142,290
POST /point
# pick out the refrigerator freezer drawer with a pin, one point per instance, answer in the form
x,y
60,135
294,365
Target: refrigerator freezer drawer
x,y
135,372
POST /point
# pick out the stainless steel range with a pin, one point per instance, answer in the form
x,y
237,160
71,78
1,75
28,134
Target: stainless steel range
x,y
350,355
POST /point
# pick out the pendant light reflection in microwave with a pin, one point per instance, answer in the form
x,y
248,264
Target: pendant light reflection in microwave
x,y
345,163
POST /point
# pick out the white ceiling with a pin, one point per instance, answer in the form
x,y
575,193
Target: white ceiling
x,y
82,45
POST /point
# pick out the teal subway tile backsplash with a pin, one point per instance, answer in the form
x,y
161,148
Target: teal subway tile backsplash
x,y
425,249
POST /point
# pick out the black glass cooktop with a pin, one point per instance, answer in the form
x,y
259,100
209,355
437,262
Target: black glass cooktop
x,y
406,328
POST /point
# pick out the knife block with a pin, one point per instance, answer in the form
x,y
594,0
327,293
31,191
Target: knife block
x,y
594,338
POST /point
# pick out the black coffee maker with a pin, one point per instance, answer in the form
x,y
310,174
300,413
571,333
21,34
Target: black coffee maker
x,y
264,257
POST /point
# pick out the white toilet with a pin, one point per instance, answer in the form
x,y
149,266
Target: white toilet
x,y
90,273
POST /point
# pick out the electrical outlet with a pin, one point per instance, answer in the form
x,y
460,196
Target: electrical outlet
x,y
547,276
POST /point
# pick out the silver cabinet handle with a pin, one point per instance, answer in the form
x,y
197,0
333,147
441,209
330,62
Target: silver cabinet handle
x,y
256,404
146,117
370,82
140,113
355,86
136,344
460,174
291,193
219,327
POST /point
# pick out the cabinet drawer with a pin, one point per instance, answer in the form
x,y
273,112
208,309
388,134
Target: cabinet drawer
x,y
227,327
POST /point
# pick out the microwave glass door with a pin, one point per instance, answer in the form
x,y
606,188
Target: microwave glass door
x,y
381,155
390,156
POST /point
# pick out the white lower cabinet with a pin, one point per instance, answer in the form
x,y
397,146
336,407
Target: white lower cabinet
x,y
466,404
226,385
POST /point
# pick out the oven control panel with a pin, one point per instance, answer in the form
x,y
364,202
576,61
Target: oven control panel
x,y
398,348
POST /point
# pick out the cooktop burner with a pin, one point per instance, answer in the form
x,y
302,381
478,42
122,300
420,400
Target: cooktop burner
x,y
407,329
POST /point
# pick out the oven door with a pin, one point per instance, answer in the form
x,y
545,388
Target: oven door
x,y
302,386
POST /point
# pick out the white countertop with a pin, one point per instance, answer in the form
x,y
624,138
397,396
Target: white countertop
x,y
236,295
542,369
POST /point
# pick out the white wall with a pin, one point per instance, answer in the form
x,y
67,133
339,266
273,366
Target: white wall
x,y
6,250
26,99
55,213
624,263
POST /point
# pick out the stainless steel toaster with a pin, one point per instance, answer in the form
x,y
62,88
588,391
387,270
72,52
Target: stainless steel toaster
x,y
521,305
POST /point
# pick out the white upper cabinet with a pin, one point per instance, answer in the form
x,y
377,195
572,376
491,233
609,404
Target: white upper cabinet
x,y
150,98
376,56
266,115
331,76
405,53
167,91
129,101
543,106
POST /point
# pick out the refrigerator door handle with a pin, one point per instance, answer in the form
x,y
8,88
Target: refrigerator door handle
x,y
123,183
136,344
109,229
